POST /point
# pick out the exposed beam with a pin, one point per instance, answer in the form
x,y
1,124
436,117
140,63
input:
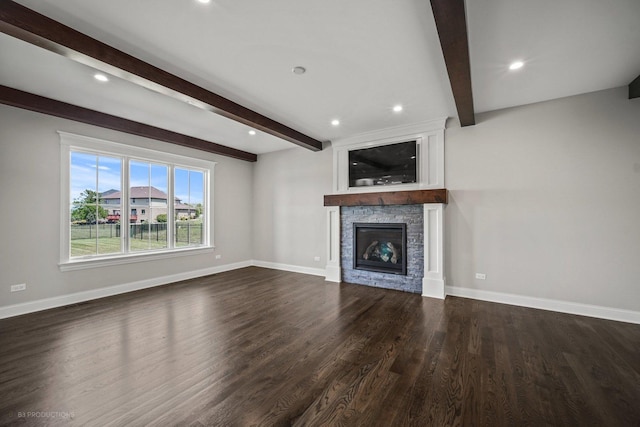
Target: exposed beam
x,y
40,104
452,30
634,88
32,27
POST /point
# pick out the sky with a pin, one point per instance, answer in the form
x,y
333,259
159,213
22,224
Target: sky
x,y
188,183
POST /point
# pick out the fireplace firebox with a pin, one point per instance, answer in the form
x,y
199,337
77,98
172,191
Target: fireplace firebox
x,y
380,247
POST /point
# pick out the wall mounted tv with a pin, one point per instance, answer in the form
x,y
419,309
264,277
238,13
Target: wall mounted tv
x,y
391,164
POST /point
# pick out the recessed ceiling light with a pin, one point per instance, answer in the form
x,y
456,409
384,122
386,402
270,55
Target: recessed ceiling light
x,y
397,108
204,1
516,65
101,77
252,132
335,122
299,70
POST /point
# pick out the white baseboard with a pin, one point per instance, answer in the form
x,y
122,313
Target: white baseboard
x,y
289,267
60,301
609,313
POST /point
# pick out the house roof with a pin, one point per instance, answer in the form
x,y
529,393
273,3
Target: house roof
x,y
108,192
141,192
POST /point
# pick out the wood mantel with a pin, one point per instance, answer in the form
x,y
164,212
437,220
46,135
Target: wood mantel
x,y
412,197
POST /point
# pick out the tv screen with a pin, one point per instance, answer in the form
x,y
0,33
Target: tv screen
x,y
391,164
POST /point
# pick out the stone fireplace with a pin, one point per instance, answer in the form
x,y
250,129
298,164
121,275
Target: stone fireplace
x,y
383,274
423,253
412,259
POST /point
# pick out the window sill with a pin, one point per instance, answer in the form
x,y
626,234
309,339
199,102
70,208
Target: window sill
x,y
82,264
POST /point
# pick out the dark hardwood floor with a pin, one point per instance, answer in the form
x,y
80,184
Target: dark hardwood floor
x,y
265,347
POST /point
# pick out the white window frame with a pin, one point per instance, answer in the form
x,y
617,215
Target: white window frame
x,y
78,143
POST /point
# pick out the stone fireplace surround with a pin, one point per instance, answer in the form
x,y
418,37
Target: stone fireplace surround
x,y
421,210
412,216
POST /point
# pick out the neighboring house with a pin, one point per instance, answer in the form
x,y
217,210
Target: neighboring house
x,y
146,204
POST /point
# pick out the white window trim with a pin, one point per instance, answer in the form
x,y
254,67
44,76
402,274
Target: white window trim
x,y
71,142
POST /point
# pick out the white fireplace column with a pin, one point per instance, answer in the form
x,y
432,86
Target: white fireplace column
x,y
433,281
333,272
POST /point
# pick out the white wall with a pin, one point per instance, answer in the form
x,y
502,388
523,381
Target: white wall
x,y
545,200
289,213
30,211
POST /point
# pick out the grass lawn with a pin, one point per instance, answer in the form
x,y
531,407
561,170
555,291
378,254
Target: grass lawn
x,y
111,245
85,242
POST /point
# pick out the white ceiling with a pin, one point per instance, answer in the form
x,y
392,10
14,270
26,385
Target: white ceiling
x,y
362,58
568,46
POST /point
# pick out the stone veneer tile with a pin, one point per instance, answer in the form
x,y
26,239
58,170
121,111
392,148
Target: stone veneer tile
x,y
413,216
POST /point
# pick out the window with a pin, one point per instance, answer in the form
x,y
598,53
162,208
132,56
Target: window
x,y
167,197
187,206
91,176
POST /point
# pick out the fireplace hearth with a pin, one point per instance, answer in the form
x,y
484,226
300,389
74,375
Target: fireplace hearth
x,y
380,247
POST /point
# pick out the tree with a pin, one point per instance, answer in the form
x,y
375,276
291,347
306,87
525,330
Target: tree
x,y
87,208
161,218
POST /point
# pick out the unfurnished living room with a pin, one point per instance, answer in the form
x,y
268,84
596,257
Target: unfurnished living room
x,y
320,213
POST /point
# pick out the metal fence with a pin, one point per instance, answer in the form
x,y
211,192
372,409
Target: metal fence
x,y
91,231
184,232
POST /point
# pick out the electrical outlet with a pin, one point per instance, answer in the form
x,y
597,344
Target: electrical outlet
x,y
20,287
481,276
316,258
218,256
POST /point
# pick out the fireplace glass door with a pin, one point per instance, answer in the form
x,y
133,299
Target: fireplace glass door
x,y
380,247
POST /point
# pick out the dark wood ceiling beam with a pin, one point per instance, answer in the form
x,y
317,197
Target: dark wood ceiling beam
x,y
451,23
40,104
634,88
32,27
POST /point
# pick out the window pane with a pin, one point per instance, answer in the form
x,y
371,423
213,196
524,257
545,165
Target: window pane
x,y
102,223
94,190
148,196
189,207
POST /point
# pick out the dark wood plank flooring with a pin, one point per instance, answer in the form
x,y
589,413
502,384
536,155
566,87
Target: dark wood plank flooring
x,y
264,347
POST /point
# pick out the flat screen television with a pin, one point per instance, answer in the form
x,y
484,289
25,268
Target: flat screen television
x,y
391,164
